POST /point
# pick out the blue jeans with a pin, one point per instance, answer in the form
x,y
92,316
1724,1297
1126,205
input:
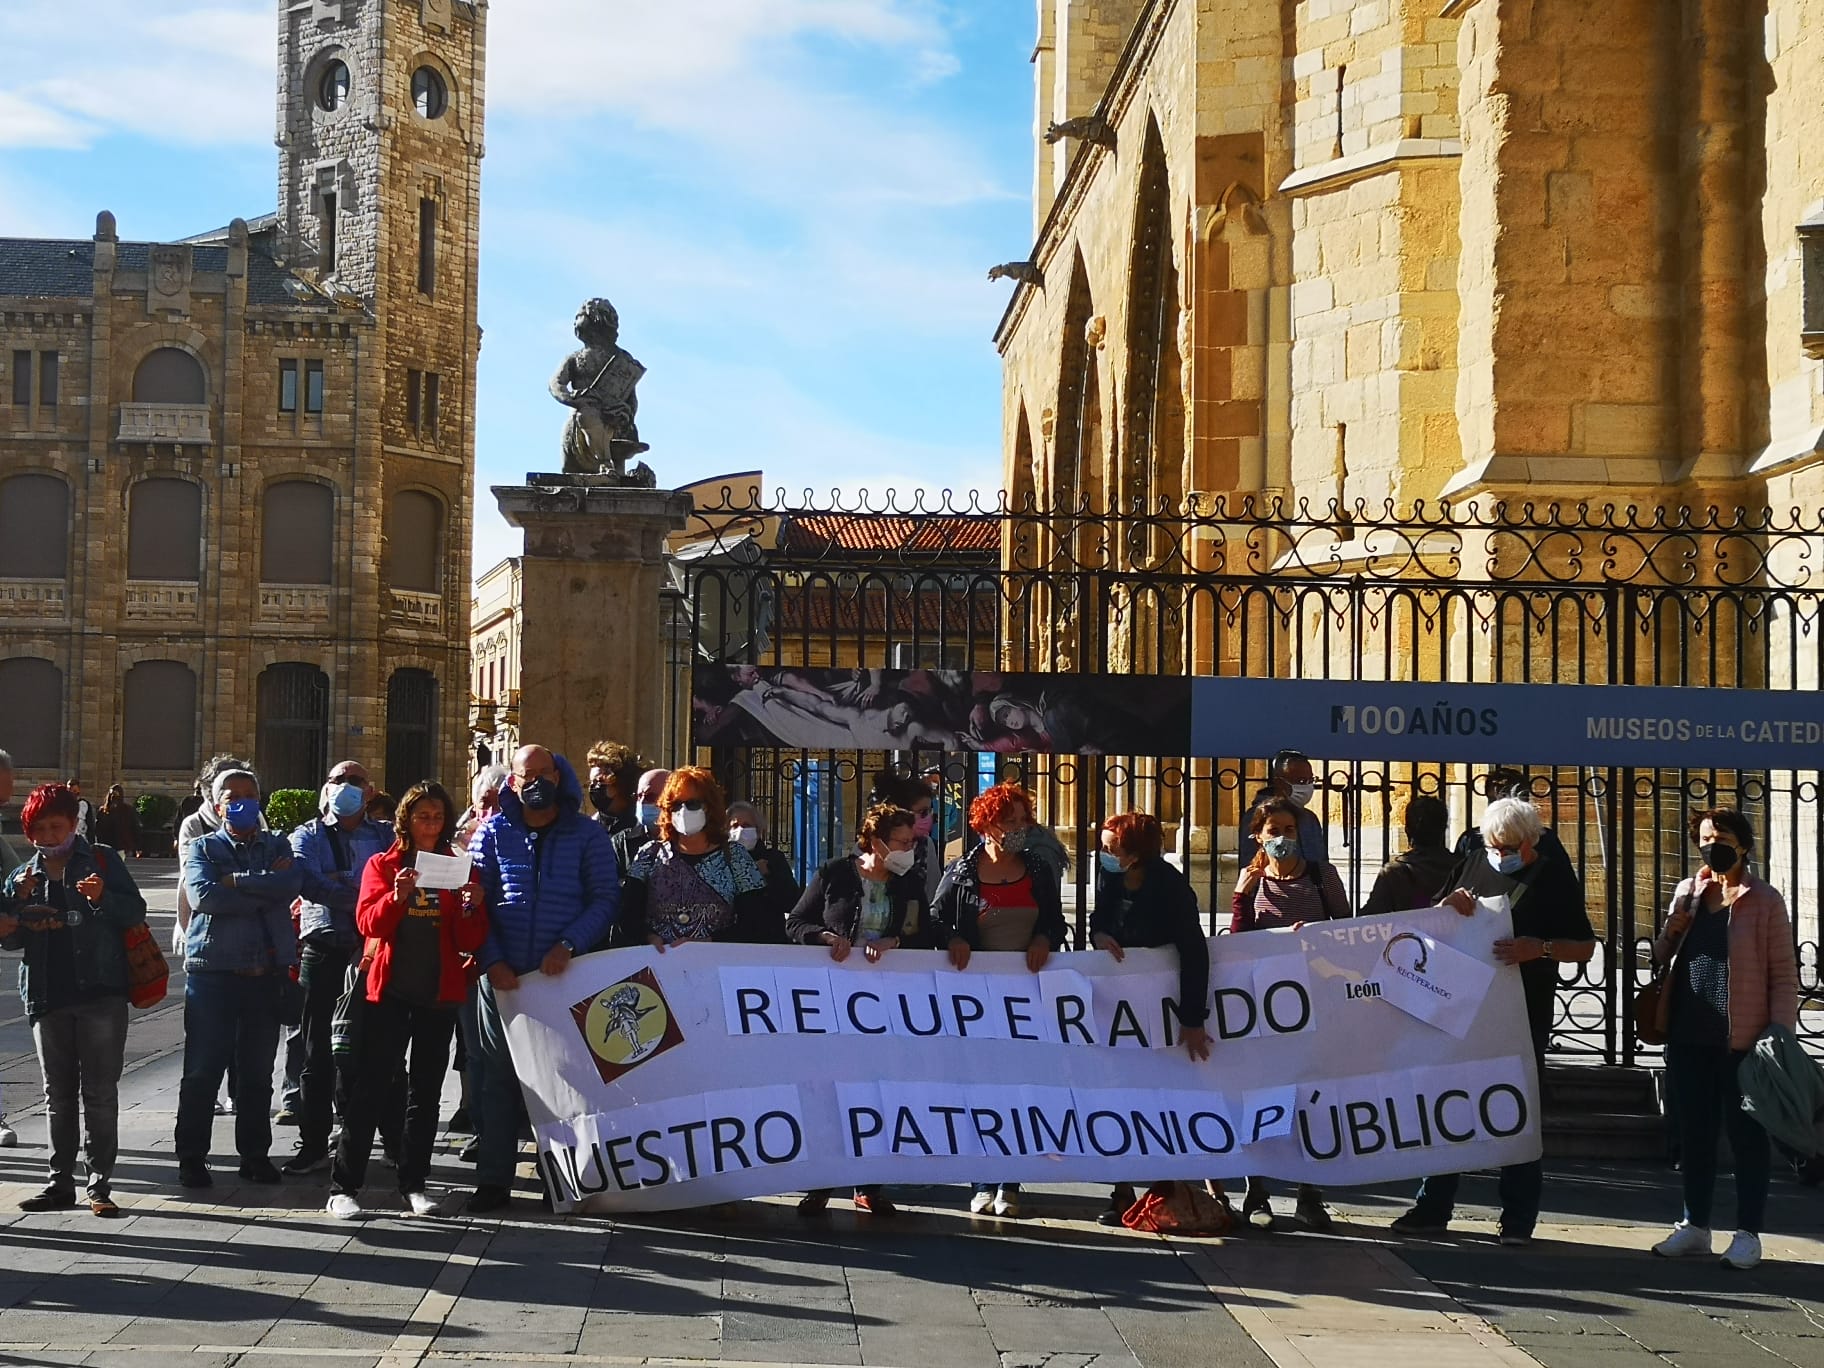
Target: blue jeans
x,y
1707,1099
495,1106
228,1019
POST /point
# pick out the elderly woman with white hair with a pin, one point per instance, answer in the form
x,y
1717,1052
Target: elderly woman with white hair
x,y
484,802
1551,927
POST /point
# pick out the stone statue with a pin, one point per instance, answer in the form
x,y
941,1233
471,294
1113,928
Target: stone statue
x,y
599,382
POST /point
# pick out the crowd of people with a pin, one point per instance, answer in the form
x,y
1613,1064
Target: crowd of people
x,y
336,945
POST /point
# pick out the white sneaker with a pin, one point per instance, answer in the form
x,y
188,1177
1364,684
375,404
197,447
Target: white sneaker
x,y
343,1207
422,1203
1744,1251
8,1136
1685,1241
1007,1204
980,1202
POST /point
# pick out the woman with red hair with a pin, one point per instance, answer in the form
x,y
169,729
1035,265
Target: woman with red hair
x,y
995,898
694,883
67,908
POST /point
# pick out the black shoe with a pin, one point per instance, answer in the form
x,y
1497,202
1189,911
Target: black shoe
x,y
1120,1201
1416,1222
308,1159
53,1198
1315,1215
488,1198
288,1116
470,1152
459,1123
260,1171
194,1173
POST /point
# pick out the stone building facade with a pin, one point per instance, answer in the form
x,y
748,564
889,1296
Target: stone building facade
x,y
1406,249
237,471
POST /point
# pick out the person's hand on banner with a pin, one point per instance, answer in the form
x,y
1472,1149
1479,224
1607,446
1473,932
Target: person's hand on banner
x,y
1462,902
1037,953
959,953
1103,941
874,949
557,959
839,945
503,978
1196,1042
657,943
1519,949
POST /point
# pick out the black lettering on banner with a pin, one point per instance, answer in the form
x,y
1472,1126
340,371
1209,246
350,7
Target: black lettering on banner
x,y
792,1128
937,1020
805,1006
906,1132
1336,1131
1145,1130
989,1132
855,1021
726,1134
857,1134
753,1004
1393,1128
1015,1020
957,1003
1437,1115
950,1114
1466,721
1073,1020
1019,1129
1365,1120
1491,722
689,1129
584,1189
1488,1123
1223,1029
1216,1118
551,1173
1124,1013
1178,1131
1265,1119
623,1166
1170,1022
1304,1007
1064,1140
661,1169
1089,1129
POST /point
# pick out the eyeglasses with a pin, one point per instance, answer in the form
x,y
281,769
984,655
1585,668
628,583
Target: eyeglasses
x,y
348,779
691,805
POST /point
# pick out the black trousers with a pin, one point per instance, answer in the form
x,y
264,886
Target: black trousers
x,y
321,973
388,1030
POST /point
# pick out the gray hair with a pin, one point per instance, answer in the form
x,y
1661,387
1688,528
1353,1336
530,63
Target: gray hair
x,y
220,784
742,808
6,762
488,780
1512,822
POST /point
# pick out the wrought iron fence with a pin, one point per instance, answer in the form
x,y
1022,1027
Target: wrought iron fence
x,y
1474,592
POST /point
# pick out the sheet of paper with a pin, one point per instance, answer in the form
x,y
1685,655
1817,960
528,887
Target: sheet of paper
x,y
1434,982
440,871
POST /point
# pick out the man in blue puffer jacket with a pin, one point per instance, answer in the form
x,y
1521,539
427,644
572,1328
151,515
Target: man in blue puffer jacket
x,y
552,889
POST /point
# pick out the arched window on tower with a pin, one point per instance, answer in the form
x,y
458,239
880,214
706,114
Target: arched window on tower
x,y
292,747
297,535
34,527
411,729
31,712
169,375
158,703
165,531
1154,447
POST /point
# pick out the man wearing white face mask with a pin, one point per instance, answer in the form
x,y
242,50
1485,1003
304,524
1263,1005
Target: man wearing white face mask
x,y
629,841
1289,775
694,883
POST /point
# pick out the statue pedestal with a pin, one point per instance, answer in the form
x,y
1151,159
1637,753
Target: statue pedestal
x,y
592,643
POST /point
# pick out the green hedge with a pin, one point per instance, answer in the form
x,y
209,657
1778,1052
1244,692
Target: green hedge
x,y
288,808
156,810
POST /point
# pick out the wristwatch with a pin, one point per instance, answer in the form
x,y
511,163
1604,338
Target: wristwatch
x,y
1545,950
566,944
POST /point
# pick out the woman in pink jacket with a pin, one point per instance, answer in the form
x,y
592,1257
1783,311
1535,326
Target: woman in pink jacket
x,y
1734,973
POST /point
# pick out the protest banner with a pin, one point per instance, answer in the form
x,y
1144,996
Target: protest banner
x,y
714,1072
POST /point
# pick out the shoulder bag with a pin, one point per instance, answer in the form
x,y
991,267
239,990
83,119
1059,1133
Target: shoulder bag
x,y
1653,1004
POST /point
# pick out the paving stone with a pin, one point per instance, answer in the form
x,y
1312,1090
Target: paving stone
x,y
793,1351
156,1358
623,1335
916,1342
1057,1329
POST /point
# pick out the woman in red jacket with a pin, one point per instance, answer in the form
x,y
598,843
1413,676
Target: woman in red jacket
x,y
416,940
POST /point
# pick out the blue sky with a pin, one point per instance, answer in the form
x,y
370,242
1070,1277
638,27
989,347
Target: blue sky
x,y
793,203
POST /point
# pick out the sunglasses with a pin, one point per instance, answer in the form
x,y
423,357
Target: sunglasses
x,y
691,805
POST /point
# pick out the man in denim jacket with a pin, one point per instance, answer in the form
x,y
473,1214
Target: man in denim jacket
x,y
239,950
331,853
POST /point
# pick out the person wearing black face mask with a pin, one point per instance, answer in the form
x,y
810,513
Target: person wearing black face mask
x,y
614,777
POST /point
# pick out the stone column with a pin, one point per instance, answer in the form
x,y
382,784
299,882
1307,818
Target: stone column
x,y
593,648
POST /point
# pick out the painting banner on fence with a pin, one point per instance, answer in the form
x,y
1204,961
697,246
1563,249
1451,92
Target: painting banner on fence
x,y
1332,719
1344,1052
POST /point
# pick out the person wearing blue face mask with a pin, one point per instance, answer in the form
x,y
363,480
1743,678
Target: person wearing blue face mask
x,y
1144,902
1551,927
239,951
331,854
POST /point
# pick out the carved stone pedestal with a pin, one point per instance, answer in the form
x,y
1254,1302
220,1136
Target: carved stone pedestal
x,y
592,645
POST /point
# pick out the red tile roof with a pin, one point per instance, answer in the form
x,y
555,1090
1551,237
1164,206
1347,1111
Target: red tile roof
x,y
922,534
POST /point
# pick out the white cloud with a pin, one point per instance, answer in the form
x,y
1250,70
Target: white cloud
x,y
199,76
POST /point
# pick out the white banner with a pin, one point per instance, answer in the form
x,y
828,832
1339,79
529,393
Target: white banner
x,y
1347,1052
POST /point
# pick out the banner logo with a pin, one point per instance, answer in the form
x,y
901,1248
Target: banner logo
x,y
626,1024
1418,966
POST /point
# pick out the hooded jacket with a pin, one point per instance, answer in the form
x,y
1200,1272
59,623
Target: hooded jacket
x,y
332,858
558,883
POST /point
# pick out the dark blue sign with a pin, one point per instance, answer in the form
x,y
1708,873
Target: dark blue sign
x,y
1546,724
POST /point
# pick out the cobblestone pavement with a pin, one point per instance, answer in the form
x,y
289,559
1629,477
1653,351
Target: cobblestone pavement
x,y
261,1277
